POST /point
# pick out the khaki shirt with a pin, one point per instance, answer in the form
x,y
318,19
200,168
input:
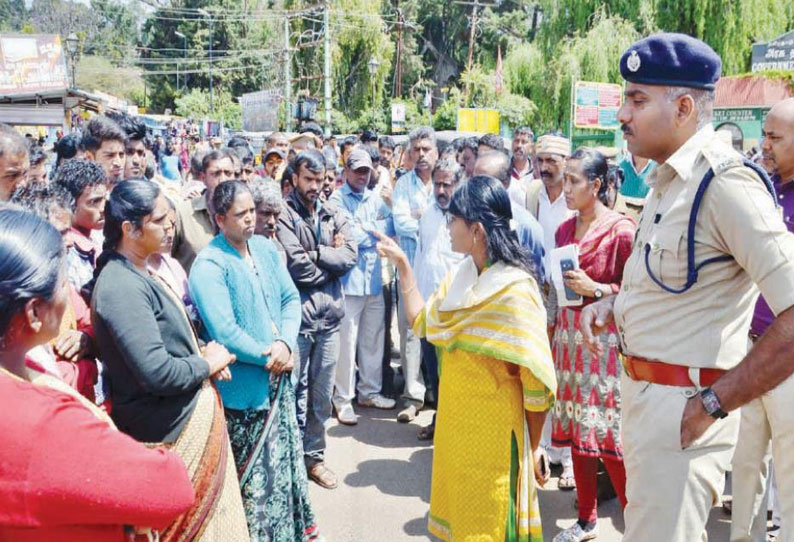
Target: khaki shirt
x,y
706,326
194,229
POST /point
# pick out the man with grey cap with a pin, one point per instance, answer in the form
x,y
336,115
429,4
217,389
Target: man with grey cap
x,y
272,163
709,239
363,325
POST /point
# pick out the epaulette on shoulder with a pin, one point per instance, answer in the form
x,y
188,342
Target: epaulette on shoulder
x,y
721,157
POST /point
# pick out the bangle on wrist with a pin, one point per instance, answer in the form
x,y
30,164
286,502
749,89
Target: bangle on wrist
x,y
406,291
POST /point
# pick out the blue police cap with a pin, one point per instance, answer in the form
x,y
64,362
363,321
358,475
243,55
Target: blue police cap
x,y
674,60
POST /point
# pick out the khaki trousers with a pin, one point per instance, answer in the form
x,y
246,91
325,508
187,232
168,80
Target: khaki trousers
x,y
670,491
769,417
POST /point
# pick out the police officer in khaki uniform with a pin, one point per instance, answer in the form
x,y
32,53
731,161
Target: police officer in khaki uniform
x,y
709,238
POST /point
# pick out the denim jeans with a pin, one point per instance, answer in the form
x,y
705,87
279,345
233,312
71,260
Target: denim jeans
x,y
313,378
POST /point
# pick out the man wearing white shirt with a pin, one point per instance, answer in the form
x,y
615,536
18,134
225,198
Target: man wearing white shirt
x,y
545,199
522,169
412,195
434,257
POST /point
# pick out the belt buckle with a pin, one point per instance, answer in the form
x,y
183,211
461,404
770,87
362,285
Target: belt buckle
x,y
625,361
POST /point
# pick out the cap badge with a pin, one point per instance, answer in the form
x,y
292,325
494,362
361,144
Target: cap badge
x,y
633,62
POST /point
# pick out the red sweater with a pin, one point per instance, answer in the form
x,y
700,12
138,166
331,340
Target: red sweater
x,y
67,476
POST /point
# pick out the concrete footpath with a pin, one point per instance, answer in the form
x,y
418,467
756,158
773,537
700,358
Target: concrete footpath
x,y
384,490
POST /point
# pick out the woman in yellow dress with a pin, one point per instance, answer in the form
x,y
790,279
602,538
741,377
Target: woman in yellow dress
x,y
488,323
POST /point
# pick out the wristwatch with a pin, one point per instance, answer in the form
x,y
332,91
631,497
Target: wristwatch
x,y
712,404
598,293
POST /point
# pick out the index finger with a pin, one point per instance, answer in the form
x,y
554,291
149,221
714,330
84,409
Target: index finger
x,y
586,323
380,235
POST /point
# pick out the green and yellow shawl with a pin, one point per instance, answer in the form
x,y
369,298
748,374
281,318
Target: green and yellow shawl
x,y
498,314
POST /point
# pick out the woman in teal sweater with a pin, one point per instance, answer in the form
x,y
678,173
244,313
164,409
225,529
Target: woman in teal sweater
x,y
248,303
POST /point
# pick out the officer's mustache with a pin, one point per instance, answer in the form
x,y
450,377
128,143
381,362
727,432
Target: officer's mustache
x,y
626,130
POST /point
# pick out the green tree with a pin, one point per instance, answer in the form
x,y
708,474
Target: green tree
x,y
729,26
13,15
546,78
99,73
244,40
226,108
117,35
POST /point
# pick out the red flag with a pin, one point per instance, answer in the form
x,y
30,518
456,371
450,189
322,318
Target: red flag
x,y
498,79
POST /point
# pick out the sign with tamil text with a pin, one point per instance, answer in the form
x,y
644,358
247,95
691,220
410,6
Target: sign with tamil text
x,y
260,110
777,55
595,105
31,64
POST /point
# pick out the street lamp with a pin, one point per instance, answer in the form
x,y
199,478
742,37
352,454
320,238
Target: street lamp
x,y
179,34
373,66
72,43
204,13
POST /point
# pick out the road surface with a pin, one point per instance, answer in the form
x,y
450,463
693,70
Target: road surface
x,y
384,490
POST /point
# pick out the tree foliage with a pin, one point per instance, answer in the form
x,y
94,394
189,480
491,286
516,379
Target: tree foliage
x,y
196,105
13,15
98,73
245,53
547,44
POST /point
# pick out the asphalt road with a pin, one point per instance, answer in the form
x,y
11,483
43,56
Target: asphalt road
x,y
384,490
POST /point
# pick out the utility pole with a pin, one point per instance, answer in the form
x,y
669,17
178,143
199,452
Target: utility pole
x,y
475,7
205,13
212,30
327,68
471,34
287,77
398,71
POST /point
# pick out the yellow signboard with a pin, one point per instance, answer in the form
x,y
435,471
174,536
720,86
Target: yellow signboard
x,y
478,120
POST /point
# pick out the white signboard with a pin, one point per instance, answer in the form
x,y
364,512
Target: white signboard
x,y
260,110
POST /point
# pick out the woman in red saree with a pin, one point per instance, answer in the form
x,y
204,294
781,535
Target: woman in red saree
x,y
586,416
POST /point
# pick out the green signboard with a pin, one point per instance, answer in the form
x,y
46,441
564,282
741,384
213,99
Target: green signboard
x,y
740,114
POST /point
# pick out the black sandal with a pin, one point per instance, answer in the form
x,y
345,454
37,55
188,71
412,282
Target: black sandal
x,y
427,432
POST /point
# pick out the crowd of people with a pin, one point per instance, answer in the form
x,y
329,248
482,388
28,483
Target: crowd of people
x,y
179,321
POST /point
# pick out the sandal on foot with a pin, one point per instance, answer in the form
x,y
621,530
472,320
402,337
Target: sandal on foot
x,y
427,432
566,482
322,476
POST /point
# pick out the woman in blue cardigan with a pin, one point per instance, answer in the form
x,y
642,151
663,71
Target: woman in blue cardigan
x,y
248,303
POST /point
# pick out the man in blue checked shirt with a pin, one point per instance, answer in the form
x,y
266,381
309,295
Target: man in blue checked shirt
x,y
363,326
412,194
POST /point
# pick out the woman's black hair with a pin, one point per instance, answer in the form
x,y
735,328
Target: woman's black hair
x,y
615,177
594,166
483,199
130,201
224,195
32,254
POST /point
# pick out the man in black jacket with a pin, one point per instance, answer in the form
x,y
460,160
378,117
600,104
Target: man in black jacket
x,y
320,249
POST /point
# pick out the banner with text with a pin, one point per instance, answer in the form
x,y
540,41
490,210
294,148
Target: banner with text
x,y
596,105
31,64
260,110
